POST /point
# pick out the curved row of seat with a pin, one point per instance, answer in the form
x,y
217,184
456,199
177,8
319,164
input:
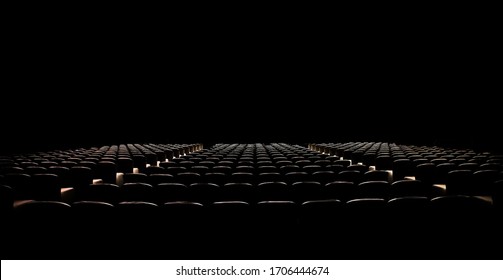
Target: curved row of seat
x,y
160,191
455,203
384,155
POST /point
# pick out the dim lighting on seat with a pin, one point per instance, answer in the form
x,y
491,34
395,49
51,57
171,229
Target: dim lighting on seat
x,y
119,178
390,172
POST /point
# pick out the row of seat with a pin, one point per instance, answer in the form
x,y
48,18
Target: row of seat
x,y
389,156
363,228
370,150
158,190
125,157
453,204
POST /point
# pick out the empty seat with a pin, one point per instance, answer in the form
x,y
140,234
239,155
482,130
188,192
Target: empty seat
x,y
376,175
292,177
136,207
324,177
125,165
187,164
140,162
460,182
35,170
91,217
175,170
99,192
199,169
302,163
67,163
426,173
350,176
306,190
48,163
483,181
288,168
441,172
267,169
231,217
90,164
135,178
187,178
168,164
343,162
374,189
156,179
222,169
417,161
242,177
11,170
367,207
43,207
468,166
237,192
409,216
311,168
358,167
184,216
487,166
45,187
368,159
155,170
216,178
211,163
170,192
80,176
364,214
463,217
64,175
277,217
6,198
20,183
402,168
88,207
323,214
40,226
273,191
204,193
409,203
269,177
459,204
336,168
137,192
383,163
107,170
244,168
341,190
438,161
411,188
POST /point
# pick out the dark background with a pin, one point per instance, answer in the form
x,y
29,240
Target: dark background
x,y
79,88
